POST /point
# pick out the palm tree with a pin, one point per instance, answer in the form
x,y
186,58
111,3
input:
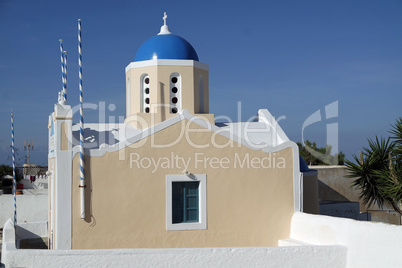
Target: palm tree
x,y
394,172
396,131
378,170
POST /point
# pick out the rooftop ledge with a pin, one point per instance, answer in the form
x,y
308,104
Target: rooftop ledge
x,y
147,63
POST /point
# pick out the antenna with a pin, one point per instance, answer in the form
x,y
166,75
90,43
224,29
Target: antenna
x,y
28,146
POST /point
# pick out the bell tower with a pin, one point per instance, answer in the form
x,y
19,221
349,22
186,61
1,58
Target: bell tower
x,y
165,78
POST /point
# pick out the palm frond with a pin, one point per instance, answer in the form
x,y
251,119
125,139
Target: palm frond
x,y
365,169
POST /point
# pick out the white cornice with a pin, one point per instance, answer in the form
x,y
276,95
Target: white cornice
x,y
148,63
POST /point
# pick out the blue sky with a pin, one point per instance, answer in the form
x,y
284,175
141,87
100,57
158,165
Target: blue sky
x,y
291,57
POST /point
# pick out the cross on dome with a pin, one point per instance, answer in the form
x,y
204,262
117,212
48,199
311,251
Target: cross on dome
x,y
164,18
164,28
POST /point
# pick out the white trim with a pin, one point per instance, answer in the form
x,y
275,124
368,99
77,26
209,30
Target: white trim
x,y
52,138
128,98
177,94
301,189
61,181
52,211
267,118
202,192
62,188
144,96
62,207
147,63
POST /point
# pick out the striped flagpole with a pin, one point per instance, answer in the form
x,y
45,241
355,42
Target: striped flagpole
x,y
14,180
63,76
82,175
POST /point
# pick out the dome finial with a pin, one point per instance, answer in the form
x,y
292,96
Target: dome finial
x,y
164,28
164,18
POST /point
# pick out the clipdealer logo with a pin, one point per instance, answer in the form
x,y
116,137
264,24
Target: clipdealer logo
x,y
203,161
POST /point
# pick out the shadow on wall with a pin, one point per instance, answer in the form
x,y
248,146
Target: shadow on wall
x,y
89,218
27,239
327,193
94,139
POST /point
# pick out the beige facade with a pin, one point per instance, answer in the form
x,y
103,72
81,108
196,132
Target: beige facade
x,y
193,91
248,203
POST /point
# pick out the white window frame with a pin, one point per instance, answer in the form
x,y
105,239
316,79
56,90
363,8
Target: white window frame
x,y
143,95
178,94
202,199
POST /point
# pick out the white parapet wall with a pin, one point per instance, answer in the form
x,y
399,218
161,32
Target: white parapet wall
x,y
31,230
31,206
41,182
315,241
308,256
369,244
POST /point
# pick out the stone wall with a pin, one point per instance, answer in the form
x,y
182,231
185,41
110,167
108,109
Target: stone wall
x,y
334,185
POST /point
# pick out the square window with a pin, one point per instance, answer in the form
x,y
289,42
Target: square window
x,y
185,206
186,202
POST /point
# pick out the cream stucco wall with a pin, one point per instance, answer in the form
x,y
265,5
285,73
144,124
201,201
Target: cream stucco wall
x,y
160,91
126,205
64,138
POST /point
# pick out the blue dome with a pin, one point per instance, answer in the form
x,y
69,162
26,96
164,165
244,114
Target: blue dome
x,y
166,46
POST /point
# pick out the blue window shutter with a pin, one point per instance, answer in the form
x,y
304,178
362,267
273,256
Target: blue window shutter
x,y
185,202
191,206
